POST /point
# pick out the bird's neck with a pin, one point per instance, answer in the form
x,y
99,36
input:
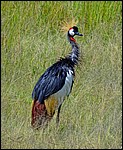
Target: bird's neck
x,y
74,55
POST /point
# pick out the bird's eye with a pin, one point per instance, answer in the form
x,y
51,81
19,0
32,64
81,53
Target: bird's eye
x,y
71,32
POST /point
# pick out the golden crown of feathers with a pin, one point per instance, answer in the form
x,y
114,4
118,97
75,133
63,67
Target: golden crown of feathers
x,y
67,25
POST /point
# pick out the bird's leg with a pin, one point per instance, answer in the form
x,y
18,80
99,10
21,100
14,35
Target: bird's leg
x,y
57,117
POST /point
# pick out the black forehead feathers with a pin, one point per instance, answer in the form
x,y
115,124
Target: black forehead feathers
x,y
75,29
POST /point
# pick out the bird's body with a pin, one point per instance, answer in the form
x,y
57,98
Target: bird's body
x,y
54,85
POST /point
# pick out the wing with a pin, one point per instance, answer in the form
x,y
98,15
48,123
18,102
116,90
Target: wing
x,y
50,82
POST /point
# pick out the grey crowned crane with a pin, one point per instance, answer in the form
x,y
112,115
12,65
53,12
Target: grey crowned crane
x,y
54,85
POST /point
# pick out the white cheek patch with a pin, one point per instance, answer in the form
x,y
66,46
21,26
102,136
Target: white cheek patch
x,y
71,32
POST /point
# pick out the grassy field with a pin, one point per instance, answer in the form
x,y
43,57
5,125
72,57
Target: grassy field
x,y
31,40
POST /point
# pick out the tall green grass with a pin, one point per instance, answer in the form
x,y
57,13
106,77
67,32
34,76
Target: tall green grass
x,y
31,41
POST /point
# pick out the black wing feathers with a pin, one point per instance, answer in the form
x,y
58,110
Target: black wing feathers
x,y
52,80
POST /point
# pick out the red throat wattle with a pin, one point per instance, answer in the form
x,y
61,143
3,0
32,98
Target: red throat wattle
x,y
72,39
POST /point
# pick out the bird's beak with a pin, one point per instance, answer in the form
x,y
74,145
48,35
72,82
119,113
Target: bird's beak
x,y
79,34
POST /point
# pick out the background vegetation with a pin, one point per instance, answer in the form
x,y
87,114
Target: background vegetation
x,y
31,40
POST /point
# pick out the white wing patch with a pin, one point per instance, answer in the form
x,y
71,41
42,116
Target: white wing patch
x,y
65,91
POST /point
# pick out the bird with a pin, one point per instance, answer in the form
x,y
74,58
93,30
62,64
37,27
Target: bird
x,y
55,84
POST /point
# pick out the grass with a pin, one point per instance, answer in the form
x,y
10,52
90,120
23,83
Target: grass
x,y
31,41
